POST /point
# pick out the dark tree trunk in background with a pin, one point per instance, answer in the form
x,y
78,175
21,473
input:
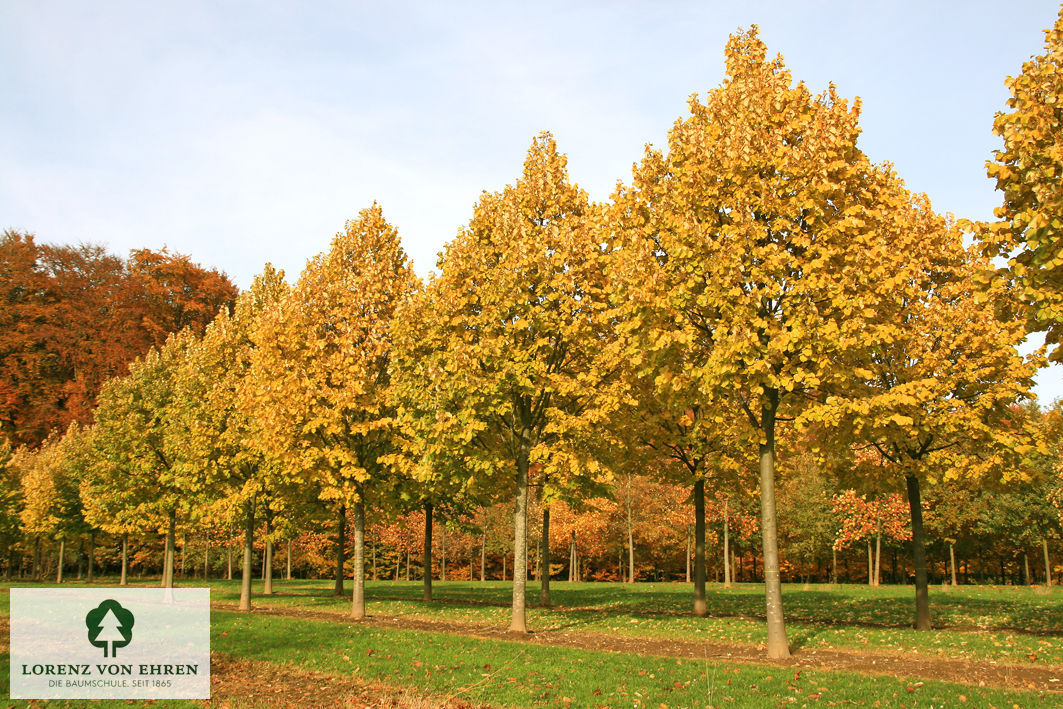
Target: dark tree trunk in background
x,y
341,545
922,591
427,551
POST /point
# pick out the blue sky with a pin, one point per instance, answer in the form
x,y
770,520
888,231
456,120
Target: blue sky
x,y
242,133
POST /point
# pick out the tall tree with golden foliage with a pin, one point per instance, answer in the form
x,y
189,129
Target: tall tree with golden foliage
x,y
514,345
320,372
940,373
762,218
1028,170
222,433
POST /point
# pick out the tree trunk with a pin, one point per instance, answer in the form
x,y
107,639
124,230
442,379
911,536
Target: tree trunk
x,y
878,558
870,565
572,558
171,534
834,565
373,553
427,551
630,538
483,557
288,575
700,607
517,623
544,559
443,553
37,557
407,563
267,554
229,563
728,570
952,563
922,591
125,558
206,559
1025,569
688,554
59,565
503,567
92,555
1048,565
777,645
341,544
358,595
249,551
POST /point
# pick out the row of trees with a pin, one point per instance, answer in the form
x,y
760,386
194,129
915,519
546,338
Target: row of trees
x,y
760,271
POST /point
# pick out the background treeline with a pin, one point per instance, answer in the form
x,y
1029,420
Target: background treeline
x,y
763,358
74,316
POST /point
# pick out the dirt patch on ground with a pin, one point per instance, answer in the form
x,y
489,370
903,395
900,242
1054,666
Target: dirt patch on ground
x,y
236,683
981,673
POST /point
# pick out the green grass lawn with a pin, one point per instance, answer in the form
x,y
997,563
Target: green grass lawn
x,y
521,674
847,617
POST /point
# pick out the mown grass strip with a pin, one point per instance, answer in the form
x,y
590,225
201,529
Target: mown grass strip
x,y
626,613
525,675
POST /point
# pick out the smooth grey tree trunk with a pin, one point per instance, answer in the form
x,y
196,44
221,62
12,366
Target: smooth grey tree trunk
x,y
728,568
229,563
427,595
688,554
518,621
171,541
630,536
572,558
483,557
878,558
59,564
544,559
922,589
1048,565
288,574
777,645
125,559
952,563
1026,569
870,565
267,555
92,556
358,596
249,550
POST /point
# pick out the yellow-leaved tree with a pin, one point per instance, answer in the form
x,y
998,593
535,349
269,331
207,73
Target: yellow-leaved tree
x,y
762,217
514,345
1029,171
144,447
223,444
671,425
938,376
320,373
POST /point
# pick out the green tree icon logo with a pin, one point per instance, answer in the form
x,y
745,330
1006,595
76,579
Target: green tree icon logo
x,y
109,624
